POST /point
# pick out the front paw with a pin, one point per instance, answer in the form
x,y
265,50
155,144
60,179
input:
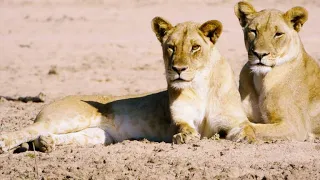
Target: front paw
x,y
185,137
244,133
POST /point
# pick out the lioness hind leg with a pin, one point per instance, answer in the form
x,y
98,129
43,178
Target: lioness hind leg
x,y
280,131
89,136
13,139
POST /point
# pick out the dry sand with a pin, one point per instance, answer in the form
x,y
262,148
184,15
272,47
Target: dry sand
x,y
107,47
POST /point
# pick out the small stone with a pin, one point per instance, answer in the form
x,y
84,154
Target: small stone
x,y
53,70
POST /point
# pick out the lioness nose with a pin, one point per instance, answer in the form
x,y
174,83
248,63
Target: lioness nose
x,y
179,69
260,55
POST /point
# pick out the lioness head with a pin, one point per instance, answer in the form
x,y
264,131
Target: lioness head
x,y
186,49
271,36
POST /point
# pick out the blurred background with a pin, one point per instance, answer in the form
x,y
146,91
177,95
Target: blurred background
x,y
62,47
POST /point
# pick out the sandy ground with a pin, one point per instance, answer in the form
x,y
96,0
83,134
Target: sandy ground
x,y
107,47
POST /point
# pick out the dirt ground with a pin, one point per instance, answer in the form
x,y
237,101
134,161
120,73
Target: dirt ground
x,y
64,47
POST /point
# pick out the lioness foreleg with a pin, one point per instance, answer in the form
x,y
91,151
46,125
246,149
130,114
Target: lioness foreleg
x,y
184,116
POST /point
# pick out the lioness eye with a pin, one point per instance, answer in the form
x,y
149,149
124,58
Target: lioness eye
x,y
170,48
195,48
253,31
278,34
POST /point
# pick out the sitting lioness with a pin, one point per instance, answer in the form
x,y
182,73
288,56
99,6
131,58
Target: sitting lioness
x,y
201,100
280,84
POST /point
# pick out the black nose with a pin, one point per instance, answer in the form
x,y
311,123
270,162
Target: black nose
x,y
179,69
260,55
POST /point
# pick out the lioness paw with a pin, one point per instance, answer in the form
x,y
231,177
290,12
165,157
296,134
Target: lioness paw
x,y
185,137
3,147
45,144
243,133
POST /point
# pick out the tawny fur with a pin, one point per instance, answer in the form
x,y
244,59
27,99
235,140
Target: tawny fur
x,y
203,102
280,90
203,97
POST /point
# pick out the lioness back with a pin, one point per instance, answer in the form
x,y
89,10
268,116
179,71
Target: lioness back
x,y
89,120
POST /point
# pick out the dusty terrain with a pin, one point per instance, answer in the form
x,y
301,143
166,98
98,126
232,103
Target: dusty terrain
x,y
63,47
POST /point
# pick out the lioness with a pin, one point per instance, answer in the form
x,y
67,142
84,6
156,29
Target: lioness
x,y
201,100
280,83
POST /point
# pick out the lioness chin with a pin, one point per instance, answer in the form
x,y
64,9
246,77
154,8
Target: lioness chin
x,y
201,100
280,83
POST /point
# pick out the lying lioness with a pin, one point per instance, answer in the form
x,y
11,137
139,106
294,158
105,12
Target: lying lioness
x,y
201,100
280,84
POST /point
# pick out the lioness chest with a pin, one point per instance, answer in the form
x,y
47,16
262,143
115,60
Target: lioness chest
x,y
279,89
191,106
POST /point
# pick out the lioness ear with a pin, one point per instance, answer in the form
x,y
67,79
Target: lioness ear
x,y
212,29
160,27
297,16
243,10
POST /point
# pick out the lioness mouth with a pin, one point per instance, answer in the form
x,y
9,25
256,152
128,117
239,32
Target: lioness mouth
x,y
180,80
261,64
